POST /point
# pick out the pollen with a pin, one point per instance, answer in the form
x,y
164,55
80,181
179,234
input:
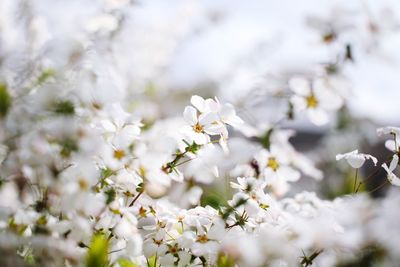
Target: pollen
x,y
197,128
202,239
312,101
119,154
273,163
142,212
173,249
83,184
157,242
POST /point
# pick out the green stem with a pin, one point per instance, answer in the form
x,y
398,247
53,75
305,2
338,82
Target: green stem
x,y
355,181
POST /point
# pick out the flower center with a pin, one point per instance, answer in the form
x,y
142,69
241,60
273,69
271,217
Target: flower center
x,y
273,163
173,249
157,242
119,154
83,184
142,212
202,239
197,128
312,102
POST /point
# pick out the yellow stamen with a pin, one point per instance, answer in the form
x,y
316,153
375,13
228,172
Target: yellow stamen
x,y
142,212
202,239
119,154
312,102
272,163
83,185
198,128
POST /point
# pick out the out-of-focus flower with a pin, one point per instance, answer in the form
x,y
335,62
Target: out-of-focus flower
x,y
276,169
392,145
314,97
393,179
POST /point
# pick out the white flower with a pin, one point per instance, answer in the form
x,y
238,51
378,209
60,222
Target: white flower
x,y
201,127
226,112
207,243
392,145
155,244
393,179
248,184
355,159
388,130
275,167
315,97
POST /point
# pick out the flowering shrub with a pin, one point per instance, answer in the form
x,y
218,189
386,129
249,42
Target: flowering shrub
x,y
101,165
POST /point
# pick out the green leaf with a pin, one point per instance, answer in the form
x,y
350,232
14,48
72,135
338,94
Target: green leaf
x,y
64,107
97,254
44,76
5,100
212,199
127,263
225,261
106,172
265,140
110,194
68,146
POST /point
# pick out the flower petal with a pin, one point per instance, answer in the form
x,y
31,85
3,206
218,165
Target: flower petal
x,y
289,174
318,116
207,118
300,85
198,102
214,129
393,163
190,115
356,161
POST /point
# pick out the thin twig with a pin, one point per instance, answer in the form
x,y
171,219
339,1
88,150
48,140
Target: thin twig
x,y
355,181
379,187
136,198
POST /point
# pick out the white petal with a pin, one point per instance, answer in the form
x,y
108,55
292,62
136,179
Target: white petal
x,y
391,145
200,138
214,170
388,130
214,129
374,160
327,98
299,103
393,179
394,162
289,174
207,118
356,161
300,86
190,115
198,102
228,115
318,116
385,167
340,156
212,105
346,155
222,142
